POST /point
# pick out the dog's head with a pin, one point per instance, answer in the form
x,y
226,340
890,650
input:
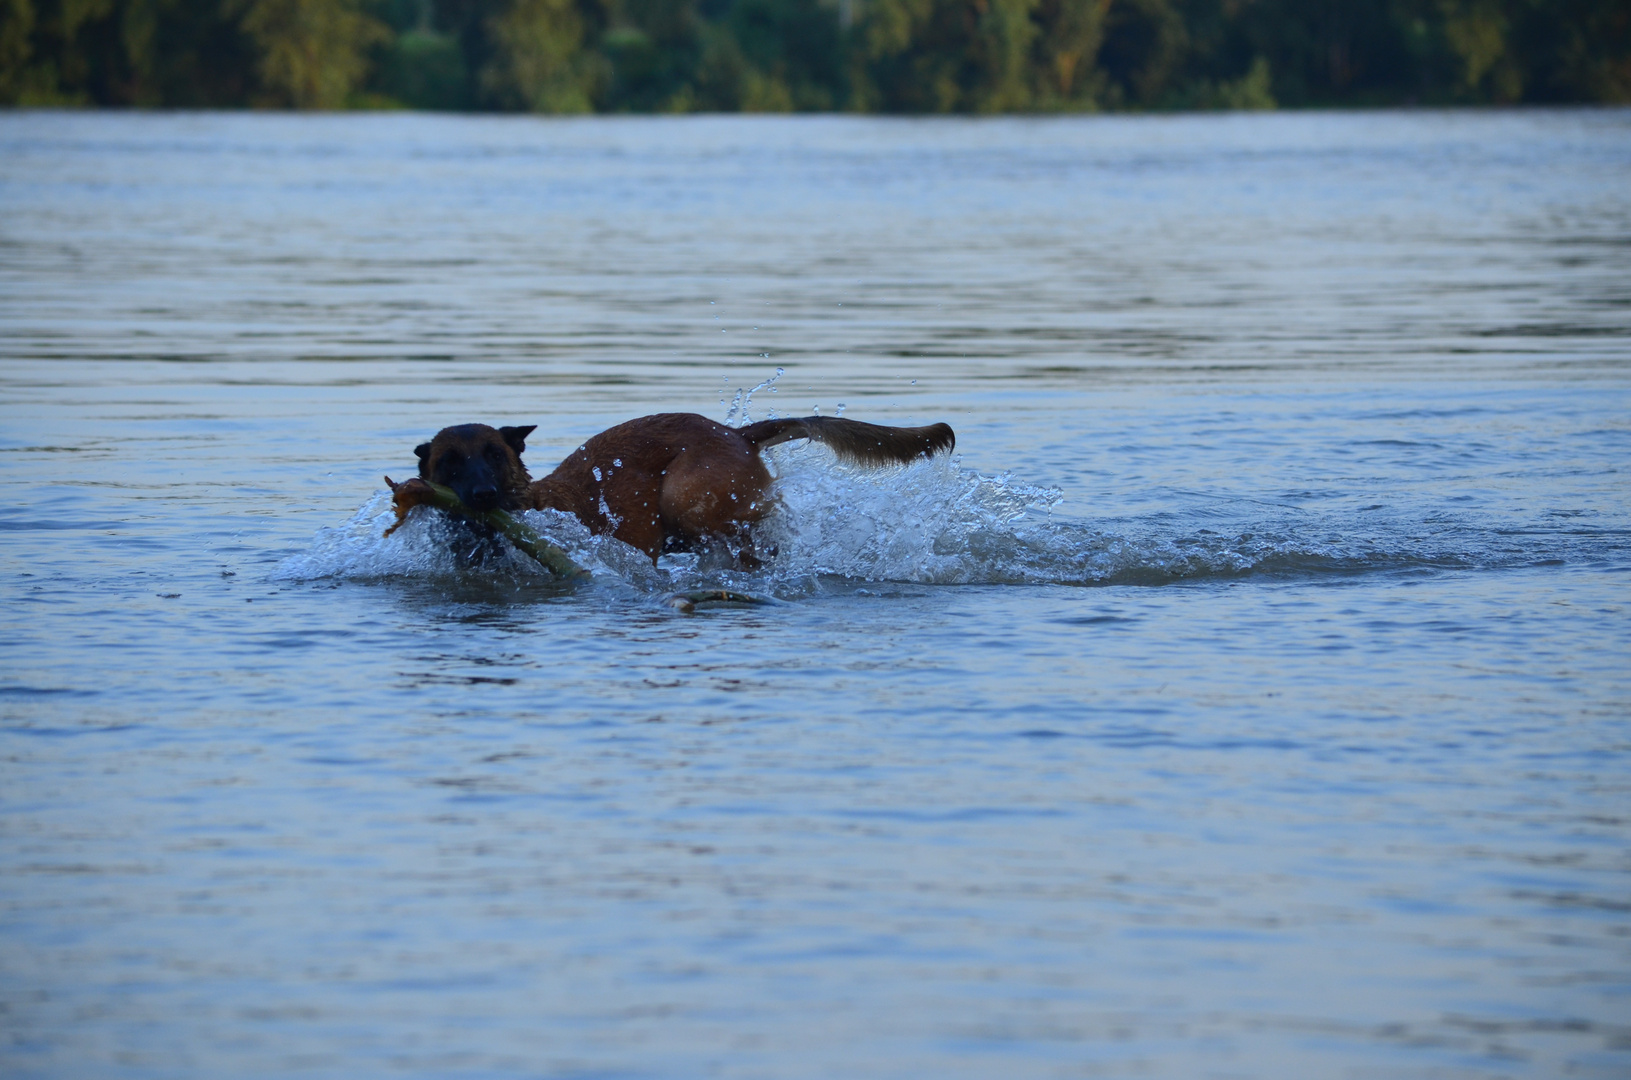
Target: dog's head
x,y
481,464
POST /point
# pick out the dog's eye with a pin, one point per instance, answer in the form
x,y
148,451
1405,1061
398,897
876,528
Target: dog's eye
x,y
493,454
452,461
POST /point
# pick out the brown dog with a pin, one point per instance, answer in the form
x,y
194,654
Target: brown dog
x,y
669,482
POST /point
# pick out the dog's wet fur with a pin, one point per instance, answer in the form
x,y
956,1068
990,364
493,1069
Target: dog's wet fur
x,y
669,482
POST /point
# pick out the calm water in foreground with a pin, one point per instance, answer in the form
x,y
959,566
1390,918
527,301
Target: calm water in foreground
x,y
1251,697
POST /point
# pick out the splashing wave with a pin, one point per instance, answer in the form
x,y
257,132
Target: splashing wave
x,y
932,522
937,523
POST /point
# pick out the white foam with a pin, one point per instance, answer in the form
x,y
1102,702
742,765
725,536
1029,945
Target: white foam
x,y
427,544
934,522
931,522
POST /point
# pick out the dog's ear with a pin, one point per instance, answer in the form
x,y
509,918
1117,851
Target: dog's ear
x,y
422,451
516,437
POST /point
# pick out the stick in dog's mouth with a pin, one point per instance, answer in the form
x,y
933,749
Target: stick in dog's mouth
x,y
418,492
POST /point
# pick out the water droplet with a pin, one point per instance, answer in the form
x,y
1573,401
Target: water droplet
x,y
618,462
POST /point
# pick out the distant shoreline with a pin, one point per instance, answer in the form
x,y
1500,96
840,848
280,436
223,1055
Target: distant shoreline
x,y
868,57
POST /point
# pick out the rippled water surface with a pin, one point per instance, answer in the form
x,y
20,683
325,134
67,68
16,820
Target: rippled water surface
x,y
1250,696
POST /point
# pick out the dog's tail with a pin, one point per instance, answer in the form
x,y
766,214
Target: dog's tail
x,y
854,440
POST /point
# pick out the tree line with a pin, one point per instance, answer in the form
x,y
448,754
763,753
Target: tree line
x,y
902,56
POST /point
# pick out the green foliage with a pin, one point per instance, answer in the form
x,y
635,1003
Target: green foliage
x,y
312,54
770,56
422,69
16,28
538,61
970,56
1144,42
1068,73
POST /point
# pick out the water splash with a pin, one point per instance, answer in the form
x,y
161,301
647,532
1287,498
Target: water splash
x,y
431,545
931,522
737,415
935,522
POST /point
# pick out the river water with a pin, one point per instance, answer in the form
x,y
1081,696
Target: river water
x,y
1250,696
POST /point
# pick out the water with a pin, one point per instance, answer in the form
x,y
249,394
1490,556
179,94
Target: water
x,y
1248,697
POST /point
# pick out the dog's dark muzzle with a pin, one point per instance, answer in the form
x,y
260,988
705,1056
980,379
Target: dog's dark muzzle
x,y
478,488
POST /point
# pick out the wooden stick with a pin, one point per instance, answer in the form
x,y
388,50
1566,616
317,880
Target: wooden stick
x,y
686,602
421,492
